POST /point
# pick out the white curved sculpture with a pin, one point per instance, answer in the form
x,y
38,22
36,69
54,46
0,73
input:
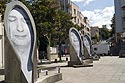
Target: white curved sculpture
x,y
76,43
87,43
21,40
20,30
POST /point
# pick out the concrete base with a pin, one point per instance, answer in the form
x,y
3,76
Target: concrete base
x,y
50,78
96,58
71,63
83,65
86,63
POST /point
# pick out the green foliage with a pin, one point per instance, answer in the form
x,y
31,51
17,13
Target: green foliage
x,y
95,37
113,25
50,20
63,24
77,26
2,7
44,12
104,33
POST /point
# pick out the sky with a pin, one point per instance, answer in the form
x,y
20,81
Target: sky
x,y
99,12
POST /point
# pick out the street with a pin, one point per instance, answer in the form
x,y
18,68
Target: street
x,y
109,69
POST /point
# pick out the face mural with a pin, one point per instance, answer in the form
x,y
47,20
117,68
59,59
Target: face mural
x,y
87,43
20,38
76,42
19,31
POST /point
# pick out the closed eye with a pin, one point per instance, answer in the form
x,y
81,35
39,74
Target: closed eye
x,y
12,18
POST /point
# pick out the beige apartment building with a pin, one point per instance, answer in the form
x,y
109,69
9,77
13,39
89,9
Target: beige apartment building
x,y
87,29
75,13
78,18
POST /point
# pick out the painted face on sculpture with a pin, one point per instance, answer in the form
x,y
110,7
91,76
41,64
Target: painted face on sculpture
x,y
19,33
87,44
75,42
18,29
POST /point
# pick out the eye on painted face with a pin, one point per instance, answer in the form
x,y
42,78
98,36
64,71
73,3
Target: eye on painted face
x,y
18,29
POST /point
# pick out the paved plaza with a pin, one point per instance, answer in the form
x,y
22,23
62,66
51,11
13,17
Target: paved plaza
x,y
107,70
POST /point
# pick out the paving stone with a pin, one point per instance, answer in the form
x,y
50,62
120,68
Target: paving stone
x,y
106,70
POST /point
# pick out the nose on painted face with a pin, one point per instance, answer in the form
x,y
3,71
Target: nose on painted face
x,y
20,27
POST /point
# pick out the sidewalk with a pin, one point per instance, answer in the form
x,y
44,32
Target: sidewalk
x,y
106,70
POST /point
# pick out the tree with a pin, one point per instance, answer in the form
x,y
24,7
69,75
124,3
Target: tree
x,y
43,12
104,33
50,19
113,25
2,8
97,37
63,24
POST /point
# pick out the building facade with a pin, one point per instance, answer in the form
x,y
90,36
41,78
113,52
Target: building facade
x,y
79,19
120,15
65,5
75,12
87,28
120,24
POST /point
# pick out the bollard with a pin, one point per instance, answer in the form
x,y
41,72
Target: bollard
x,y
38,71
55,60
46,72
66,58
58,69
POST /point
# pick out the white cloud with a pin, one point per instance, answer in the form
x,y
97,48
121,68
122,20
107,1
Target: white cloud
x,y
85,2
100,17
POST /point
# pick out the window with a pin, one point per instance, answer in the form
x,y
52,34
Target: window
x,y
87,29
75,11
74,19
78,21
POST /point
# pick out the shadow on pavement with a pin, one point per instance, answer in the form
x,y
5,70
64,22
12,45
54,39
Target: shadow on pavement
x,y
2,82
